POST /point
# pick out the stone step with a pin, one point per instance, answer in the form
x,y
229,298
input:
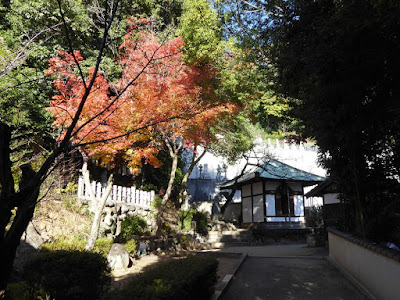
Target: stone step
x,y
230,236
219,245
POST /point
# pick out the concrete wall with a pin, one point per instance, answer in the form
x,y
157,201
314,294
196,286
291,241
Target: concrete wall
x,y
376,268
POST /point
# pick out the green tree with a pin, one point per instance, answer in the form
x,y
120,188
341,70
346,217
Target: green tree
x,y
201,31
338,58
335,62
24,196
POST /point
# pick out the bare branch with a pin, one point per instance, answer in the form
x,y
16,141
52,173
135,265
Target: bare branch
x,y
20,55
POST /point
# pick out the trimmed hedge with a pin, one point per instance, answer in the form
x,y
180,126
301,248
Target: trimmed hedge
x,y
68,274
180,279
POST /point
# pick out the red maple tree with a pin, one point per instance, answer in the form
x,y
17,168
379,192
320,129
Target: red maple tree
x,y
160,102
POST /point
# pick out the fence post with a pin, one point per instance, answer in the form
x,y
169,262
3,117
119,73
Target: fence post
x,y
119,195
98,192
133,194
128,195
147,198
93,184
137,200
114,193
81,184
124,195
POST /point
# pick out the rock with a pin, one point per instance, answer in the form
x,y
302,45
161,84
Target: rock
x,y
118,257
108,220
31,241
32,237
124,209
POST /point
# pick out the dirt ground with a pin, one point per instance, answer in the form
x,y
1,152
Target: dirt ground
x,y
119,277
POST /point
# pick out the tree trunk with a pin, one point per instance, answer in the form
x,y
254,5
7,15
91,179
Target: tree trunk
x,y
86,179
6,178
28,195
193,163
173,152
97,217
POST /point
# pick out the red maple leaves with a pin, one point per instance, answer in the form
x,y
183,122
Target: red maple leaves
x,y
157,97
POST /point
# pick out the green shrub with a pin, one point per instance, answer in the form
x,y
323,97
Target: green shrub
x,y
135,225
19,291
185,219
181,279
102,245
185,242
68,274
314,217
131,247
157,202
202,220
71,188
64,243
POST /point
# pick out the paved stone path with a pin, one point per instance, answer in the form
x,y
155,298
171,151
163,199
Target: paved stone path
x,y
288,272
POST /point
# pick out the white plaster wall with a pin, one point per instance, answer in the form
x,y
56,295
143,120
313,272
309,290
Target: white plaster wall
x,y
298,205
247,210
271,185
258,208
376,272
204,206
232,212
299,156
276,219
331,198
257,188
296,186
270,203
313,201
246,190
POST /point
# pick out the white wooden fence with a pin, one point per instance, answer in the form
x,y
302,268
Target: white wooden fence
x,y
119,194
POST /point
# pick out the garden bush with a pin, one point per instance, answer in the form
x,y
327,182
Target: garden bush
x,y
102,245
185,219
131,247
187,216
202,221
314,217
135,225
68,274
180,279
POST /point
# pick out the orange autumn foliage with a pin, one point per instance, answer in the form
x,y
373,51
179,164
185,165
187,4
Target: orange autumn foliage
x,y
157,97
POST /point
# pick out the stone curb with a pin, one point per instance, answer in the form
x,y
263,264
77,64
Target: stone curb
x,y
222,287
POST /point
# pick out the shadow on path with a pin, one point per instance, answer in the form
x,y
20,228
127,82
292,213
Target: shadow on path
x,y
290,278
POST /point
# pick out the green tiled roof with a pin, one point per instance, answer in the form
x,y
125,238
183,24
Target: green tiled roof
x,y
274,170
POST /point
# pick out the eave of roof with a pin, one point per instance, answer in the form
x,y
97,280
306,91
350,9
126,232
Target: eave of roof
x,y
319,190
274,170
